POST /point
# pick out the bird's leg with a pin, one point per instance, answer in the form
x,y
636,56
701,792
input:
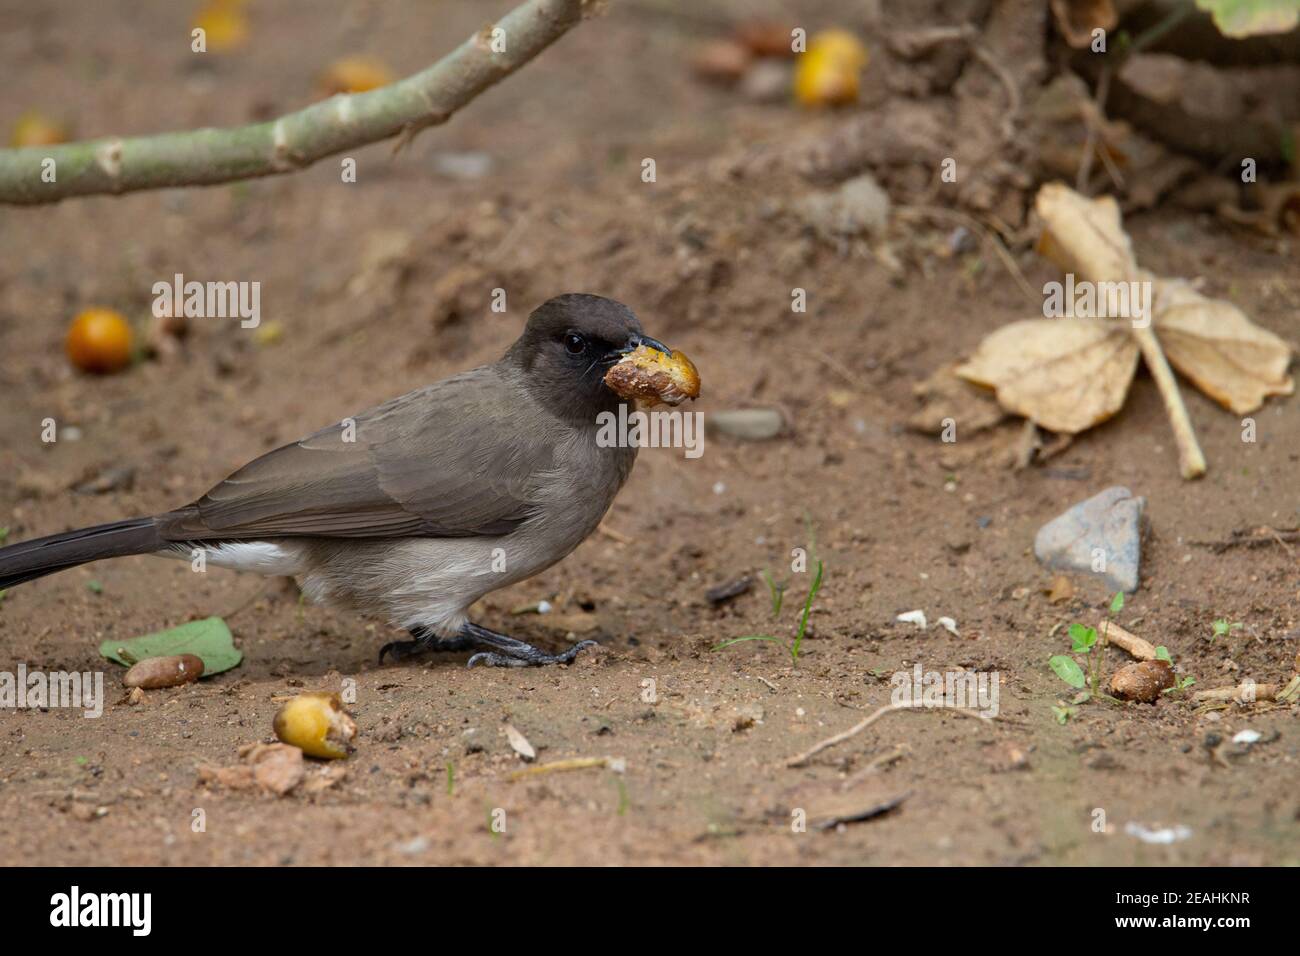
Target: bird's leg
x,y
425,640
507,652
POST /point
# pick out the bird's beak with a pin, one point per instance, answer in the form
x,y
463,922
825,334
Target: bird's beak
x,y
636,341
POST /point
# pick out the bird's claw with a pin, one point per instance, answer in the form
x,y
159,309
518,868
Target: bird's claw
x,y
532,657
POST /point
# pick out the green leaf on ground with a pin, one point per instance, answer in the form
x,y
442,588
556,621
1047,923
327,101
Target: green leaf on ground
x,y
208,639
1246,18
1065,668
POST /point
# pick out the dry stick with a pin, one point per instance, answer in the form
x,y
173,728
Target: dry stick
x,y
1139,647
1243,538
1143,40
204,157
573,763
1191,461
884,760
1093,121
1242,692
800,759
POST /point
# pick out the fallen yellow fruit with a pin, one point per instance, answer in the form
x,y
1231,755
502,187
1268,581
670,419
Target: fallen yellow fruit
x,y
224,26
35,129
355,74
654,377
317,725
827,72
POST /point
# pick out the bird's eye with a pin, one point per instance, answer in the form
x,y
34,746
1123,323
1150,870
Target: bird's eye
x,y
574,343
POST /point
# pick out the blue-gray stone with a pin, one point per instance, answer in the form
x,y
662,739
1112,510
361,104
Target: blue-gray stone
x,y
1101,536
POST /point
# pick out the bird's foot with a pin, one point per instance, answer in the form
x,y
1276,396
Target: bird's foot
x,y
508,652
425,640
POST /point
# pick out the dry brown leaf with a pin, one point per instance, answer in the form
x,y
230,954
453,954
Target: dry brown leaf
x,y
1083,235
1222,352
946,397
1068,374
1064,374
1061,590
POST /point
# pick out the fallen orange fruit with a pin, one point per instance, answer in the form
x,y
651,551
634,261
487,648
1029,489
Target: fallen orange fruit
x,y
99,340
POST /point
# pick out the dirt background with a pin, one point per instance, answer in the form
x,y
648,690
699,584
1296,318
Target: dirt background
x,y
382,285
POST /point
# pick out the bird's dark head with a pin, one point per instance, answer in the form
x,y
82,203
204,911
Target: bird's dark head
x,y
568,345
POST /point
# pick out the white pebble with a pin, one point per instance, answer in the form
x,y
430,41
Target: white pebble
x,y
912,617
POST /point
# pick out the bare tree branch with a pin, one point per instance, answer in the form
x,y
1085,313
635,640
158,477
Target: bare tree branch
x,y
205,157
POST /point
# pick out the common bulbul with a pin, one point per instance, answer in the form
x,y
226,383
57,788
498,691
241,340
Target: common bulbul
x,y
415,509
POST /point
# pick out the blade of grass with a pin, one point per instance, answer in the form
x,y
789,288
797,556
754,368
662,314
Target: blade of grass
x,y
807,606
747,637
778,593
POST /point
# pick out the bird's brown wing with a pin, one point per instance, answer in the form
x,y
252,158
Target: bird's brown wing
x,y
452,459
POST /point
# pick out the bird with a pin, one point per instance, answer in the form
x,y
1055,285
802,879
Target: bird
x,y
414,509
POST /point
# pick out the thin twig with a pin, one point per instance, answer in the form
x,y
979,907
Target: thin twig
x,y
1191,460
884,760
800,759
1139,647
771,686
1251,538
574,763
1093,120
1013,92
204,157
1140,43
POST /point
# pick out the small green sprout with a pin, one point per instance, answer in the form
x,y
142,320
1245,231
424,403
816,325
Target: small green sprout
x,y
1222,628
1063,713
777,591
1086,641
1180,683
793,648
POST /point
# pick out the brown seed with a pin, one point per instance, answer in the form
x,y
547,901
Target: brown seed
x,y
767,38
720,61
1143,681
171,671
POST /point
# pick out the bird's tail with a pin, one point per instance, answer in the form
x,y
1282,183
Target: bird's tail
x,y
58,552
